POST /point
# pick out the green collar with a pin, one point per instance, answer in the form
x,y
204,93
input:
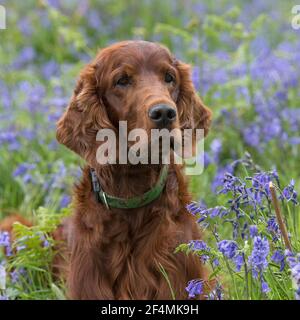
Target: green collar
x,y
131,203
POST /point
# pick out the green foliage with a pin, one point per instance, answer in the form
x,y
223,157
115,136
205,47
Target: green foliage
x,y
31,262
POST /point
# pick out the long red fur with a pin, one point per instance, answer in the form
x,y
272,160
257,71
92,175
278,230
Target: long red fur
x,y
118,253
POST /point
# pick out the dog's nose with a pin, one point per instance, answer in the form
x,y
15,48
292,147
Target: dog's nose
x,y
162,115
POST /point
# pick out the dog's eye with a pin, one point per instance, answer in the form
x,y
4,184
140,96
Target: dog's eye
x,y
123,81
169,78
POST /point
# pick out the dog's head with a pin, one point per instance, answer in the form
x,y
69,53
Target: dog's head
x,y
135,81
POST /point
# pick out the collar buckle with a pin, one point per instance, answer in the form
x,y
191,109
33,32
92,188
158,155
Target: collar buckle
x,y
105,200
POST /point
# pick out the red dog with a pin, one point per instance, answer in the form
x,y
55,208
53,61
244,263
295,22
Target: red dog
x,y
118,245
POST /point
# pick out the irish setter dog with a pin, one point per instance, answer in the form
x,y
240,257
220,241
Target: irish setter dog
x,y
117,253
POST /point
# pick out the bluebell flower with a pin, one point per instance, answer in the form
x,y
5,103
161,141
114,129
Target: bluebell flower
x,y
194,288
4,239
289,193
198,245
239,262
243,233
2,277
216,262
218,211
260,185
252,136
23,168
204,258
273,228
21,247
219,177
50,69
6,243
258,258
294,264
26,55
297,294
8,136
194,208
216,294
207,159
46,244
65,201
235,230
216,149
278,258
25,26
264,287
54,3
94,20
232,184
15,275
253,231
196,77
228,248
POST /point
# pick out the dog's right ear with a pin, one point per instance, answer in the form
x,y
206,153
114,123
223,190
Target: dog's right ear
x,y
86,114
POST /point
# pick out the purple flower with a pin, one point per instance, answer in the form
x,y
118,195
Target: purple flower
x,y
289,193
196,77
297,295
9,137
198,245
294,264
26,55
4,239
243,235
194,288
65,201
228,248
54,3
23,168
264,287
6,243
273,228
217,212
50,69
231,184
94,20
25,26
46,244
219,177
258,257
15,275
216,262
260,185
216,148
216,294
278,257
253,231
194,208
21,247
239,261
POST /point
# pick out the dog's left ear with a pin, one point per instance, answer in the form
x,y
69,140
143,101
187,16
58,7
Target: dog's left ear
x,y
193,114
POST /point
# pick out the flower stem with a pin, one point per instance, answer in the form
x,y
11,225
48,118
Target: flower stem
x,y
246,277
279,217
